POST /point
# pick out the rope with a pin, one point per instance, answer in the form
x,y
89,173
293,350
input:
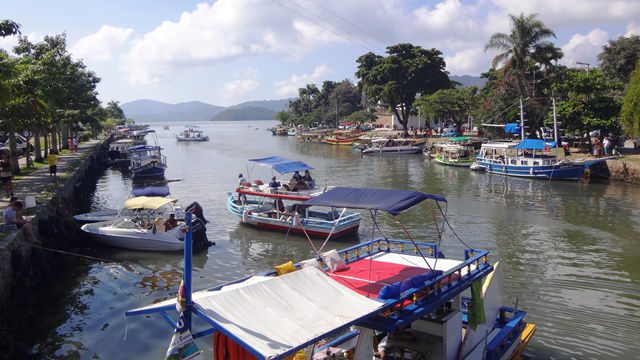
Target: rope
x,y
308,238
335,224
450,227
74,254
414,244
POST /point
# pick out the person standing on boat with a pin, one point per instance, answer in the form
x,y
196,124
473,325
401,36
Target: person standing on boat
x,y
241,180
274,184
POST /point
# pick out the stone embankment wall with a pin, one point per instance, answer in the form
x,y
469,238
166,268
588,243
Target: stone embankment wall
x,y
29,274
617,170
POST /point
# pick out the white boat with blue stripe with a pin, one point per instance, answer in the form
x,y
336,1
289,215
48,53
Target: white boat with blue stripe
x,y
530,158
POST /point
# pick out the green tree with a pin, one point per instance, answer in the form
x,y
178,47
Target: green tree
x,y
361,117
8,28
284,117
454,105
586,102
619,57
396,79
114,111
526,43
630,115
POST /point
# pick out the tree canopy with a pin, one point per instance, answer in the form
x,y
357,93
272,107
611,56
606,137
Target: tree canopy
x,y
526,43
630,115
619,57
396,79
587,102
455,105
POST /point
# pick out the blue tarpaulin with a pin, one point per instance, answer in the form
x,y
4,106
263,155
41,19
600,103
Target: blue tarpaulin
x,y
281,164
512,128
535,144
389,200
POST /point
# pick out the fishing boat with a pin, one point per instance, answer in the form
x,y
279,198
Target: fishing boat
x,y
530,158
391,147
279,131
118,153
291,132
140,226
147,161
342,137
337,304
455,154
192,133
166,127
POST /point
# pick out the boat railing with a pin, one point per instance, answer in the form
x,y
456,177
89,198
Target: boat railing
x,y
351,217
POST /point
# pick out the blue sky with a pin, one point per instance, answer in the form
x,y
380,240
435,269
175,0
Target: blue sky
x,y
228,51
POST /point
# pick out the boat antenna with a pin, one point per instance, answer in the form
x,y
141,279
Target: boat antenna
x,y
555,121
521,119
414,244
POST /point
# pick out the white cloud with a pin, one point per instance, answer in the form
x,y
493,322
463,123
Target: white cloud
x,y
290,87
249,72
633,28
241,87
9,42
562,13
471,61
584,48
101,45
220,32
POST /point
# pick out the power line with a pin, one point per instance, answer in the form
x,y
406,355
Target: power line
x,y
355,26
322,25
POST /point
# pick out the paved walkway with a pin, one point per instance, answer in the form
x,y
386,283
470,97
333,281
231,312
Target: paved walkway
x,y
38,181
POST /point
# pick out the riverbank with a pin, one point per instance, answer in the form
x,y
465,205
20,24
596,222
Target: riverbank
x,y
27,270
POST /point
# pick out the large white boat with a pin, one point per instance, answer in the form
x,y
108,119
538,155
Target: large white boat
x,y
391,146
141,226
192,133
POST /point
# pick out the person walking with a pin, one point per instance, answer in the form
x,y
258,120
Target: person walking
x,y
75,142
607,145
52,159
70,143
6,175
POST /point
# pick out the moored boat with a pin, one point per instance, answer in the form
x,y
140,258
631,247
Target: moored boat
x,y
530,158
455,154
147,161
339,303
391,147
141,226
342,137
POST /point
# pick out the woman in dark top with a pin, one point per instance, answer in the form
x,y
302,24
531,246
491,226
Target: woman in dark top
x,y
6,175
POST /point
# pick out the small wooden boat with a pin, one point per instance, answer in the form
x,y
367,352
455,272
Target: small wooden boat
x,y
342,137
455,155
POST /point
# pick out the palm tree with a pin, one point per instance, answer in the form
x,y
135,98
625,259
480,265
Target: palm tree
x,y
526,43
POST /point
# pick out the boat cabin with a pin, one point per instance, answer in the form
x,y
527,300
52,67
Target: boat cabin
x,y
525,153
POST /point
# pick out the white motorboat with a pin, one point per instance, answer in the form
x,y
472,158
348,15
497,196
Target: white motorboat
x,y
391,146
143,226
192,133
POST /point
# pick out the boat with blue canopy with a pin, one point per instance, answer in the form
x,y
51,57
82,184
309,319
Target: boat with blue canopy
x,y
277,207
337,304
530,158
147,161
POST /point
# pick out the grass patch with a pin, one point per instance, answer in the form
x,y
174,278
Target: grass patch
x,y
25,171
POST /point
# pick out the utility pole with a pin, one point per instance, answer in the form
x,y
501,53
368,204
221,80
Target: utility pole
x,y
337,119
584,64
555,121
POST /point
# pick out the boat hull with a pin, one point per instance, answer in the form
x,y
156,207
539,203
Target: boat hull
x,y
151,170
97,216
570,171
341,142
454,163
392,150
202,138
134,239
312,231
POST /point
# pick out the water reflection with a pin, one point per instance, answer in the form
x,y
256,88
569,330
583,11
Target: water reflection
x,y
569,250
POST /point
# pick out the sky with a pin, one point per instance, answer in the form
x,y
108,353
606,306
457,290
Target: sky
x,y
229,51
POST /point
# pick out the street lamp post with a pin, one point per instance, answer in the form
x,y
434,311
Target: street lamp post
x,y
584,64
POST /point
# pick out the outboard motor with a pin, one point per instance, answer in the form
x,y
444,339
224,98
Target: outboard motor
x,y
196,210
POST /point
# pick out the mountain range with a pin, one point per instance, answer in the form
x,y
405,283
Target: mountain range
x,y
151,110
146,110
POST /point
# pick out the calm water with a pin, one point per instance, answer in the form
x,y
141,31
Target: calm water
x,y
570,250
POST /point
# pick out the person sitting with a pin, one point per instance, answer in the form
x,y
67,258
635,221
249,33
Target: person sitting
x,y
13,218
170,223
308,179
296,177
274,184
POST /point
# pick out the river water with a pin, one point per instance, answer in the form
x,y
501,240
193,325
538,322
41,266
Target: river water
x,y
570,251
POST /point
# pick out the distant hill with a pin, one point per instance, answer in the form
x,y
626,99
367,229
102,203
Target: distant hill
x,y
150,110
468,80
275,105
245,113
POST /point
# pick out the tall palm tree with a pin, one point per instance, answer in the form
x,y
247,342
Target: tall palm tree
x,y
517,49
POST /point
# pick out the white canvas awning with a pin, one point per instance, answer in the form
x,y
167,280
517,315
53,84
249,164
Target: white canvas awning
x,y
276,315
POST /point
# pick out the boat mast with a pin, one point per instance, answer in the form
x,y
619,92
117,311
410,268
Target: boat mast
x,y
555,121
521,119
